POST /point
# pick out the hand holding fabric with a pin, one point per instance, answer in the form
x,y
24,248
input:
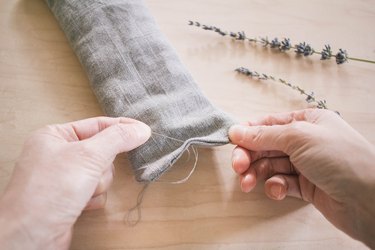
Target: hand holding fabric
x,y
62,170
316,156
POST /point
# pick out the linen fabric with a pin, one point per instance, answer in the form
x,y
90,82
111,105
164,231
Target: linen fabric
x,y
134,72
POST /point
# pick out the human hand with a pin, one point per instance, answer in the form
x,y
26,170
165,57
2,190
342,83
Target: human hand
x,y
313,155
62,170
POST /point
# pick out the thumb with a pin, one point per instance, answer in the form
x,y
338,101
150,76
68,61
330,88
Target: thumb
x,y
260,138
118,138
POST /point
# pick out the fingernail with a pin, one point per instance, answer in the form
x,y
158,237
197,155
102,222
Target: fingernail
x,y
245,183
276,192
143,131
235,157
237,132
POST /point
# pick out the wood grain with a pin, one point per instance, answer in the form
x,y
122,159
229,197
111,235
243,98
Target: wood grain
x,y
42,82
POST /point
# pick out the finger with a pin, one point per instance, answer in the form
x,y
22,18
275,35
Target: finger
x,y
267,167
257,155
104,182
285,138
240,160
257,138
279,186
282,118
118,138
83,129
308,189
248,181
97,202
264,169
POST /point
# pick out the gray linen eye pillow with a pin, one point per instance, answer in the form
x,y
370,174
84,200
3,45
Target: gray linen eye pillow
x,y
134,72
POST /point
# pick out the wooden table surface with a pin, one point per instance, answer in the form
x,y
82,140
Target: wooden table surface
x,y
42,82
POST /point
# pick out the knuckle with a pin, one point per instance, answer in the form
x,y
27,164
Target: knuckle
x,y
257,136
316,114
298,128
268,120
125,133
295,135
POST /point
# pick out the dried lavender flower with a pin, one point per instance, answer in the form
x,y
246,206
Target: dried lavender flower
x,y
326,52
341,56
285,45
223,33
243,71
322,104
275,43
300,48
241,35
310,98
308,50
247,72
205,27
304,49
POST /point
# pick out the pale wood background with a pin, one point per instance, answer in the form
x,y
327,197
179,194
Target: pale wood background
x,y
41,82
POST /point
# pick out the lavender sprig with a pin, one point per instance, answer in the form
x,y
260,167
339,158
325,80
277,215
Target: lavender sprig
x,y
310,98
285,44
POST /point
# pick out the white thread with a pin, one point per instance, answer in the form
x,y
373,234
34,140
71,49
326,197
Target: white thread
x,y
166,136
195,152
142,192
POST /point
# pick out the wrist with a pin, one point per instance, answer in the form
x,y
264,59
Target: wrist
x,y
364,201
364,221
